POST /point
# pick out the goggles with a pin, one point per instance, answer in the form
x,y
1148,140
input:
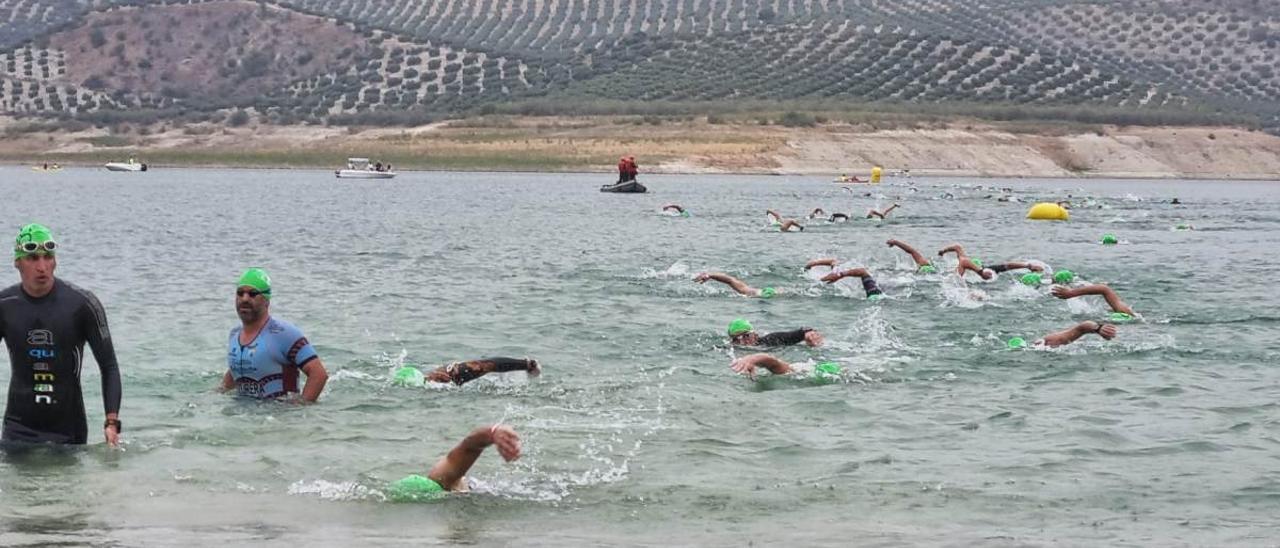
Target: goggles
x,y
29,248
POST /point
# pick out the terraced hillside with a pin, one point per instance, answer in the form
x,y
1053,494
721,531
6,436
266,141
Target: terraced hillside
x,y
310,59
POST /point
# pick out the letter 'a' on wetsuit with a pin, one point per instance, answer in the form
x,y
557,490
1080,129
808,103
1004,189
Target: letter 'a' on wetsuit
x,y
46,337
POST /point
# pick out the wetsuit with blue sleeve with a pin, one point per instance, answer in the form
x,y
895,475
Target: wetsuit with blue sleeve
x,y
46,337
268,366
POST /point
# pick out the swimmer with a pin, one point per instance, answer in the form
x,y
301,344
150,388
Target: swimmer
x,y
676,208
1070,335
737,285
838,218
881,214
923,266
817,213
1034,266
1063,204
965,263
460,373
868,283
741,333
1113,299
449,473
784,225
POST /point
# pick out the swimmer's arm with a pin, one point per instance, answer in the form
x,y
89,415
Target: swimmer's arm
x,y
783,338
953,248
1112,298
821,262
838,275
1015,265
1070,335
228,383
915,255
317,376
747,365
452,468
736,284
673,206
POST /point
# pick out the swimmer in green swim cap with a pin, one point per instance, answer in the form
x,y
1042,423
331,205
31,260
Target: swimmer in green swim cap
x,y
460,373
1109,239
737,285
676,208
1017,342
965,263
827,371
741,333
449,473
1064,277
923,266
1113,299
1032,279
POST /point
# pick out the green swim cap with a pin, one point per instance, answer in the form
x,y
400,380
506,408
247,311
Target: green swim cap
x,y
1017,342
827,371
684,213
1031,278
1182,227
1109,239
415,488
767,292
977,263
408,376
739,326
34,232
1063,277
875,297
928,269
1119,317
256,278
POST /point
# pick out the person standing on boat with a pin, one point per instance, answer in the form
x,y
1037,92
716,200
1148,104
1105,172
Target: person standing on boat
x,y
46,322
632,169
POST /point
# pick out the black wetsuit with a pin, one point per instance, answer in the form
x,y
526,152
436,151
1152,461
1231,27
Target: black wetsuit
x,y
783,338
463,372
46,338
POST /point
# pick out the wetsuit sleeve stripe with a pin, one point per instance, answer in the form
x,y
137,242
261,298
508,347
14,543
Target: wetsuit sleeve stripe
x,y
94,321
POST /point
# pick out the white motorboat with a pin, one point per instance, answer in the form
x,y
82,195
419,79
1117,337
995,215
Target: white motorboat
x,y
359,168
131,165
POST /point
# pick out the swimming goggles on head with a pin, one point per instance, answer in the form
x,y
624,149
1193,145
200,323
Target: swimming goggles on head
x,y
48,246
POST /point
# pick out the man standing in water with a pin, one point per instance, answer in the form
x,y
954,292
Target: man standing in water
x,y
264,354
46,322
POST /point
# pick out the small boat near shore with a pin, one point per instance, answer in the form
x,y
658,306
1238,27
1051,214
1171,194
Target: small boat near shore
x,y
130,166
360,168
626,187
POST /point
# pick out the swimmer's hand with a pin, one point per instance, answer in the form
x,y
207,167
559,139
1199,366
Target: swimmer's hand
x,y
813,338
1106,331
1062,292
833,277
702,277
892,243
534,369
506,440
745,366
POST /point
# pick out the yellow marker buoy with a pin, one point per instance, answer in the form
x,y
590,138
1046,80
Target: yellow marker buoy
x,y
1045,211
875,174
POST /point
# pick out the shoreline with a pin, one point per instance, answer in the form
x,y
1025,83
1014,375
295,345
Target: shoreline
x,y
956,149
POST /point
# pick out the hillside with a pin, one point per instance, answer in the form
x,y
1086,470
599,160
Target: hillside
x,y
310,60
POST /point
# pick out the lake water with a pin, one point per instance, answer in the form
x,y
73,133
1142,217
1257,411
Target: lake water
x,y
637,432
